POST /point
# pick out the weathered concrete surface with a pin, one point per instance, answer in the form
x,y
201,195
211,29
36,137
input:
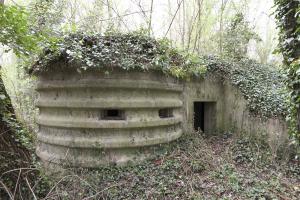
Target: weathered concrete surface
x,y
231,110
72,130
71,125
238,119
209,89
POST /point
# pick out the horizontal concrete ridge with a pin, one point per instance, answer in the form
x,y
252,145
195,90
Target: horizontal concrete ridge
x,y
118,141
88,120
109,83
105,103
107,124
90,158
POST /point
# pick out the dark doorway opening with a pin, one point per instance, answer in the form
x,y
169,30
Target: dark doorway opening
x,y
205,116
199,116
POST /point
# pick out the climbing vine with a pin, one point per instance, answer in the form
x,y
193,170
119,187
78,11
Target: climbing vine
x,y
261,85
288,22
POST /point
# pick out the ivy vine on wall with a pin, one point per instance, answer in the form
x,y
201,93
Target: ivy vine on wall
x,y
288,21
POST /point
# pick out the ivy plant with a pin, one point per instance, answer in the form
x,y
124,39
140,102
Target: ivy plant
x,y
261,86
127,51
288,21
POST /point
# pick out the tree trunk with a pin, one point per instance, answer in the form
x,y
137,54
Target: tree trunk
x,y
150,19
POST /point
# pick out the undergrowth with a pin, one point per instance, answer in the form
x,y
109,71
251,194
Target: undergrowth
x,y
191,168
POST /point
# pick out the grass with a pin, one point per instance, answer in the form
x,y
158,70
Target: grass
x,y
194,167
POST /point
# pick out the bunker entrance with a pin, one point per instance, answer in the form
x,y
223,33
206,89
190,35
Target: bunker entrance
x,y
205,116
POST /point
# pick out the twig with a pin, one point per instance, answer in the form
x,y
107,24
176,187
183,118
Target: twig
x,y
173,17
85,182
20,192
30,188
107,19
17,182
7,190
141,8
17,170
57,184
5,132
117,13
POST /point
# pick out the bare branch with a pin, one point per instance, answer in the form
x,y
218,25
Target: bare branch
x,y
17,182
30,189
7,190
173,17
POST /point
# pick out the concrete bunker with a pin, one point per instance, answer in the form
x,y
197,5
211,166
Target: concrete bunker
x,y
104,113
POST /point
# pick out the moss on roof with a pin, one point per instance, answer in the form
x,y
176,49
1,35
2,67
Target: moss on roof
x,y
262,86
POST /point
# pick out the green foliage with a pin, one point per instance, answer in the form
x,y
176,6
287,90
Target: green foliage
x,y
190,168
15,31
237,37
127,51
22,136
288,22
262,87
21,32
46,15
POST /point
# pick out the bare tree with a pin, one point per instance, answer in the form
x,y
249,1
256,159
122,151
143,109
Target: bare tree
x,y
169,27
223,6
150,18
183,25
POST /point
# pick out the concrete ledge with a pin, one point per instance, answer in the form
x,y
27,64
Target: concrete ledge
x,y
113,141
93,158
108,83
104,103
87,159
107,124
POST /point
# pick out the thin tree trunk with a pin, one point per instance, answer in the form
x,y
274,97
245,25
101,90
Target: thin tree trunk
x,y
170,15
223,5
199,27
178,7
183,25
150,19
109,12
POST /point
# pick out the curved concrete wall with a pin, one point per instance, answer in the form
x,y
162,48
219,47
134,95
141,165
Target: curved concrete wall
x,y
72,129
